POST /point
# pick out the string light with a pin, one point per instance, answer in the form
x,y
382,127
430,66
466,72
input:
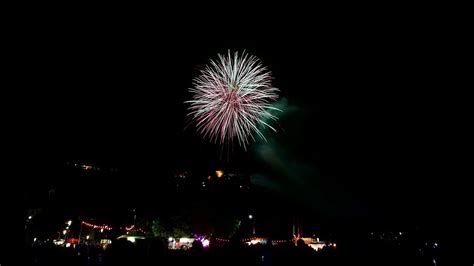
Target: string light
x,y
105,227
133,229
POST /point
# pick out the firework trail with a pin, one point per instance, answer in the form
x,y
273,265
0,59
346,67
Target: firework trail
x,y
232,98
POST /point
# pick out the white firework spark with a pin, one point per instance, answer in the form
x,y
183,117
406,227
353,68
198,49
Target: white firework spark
x,y
232,98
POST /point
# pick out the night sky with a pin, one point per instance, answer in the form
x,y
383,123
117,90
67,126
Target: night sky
x,y
364,120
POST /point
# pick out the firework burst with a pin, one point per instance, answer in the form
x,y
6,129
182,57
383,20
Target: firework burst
x,y
232,98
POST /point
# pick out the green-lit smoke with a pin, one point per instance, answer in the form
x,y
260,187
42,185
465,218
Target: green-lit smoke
x,y
289,162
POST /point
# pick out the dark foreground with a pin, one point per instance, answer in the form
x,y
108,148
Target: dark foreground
x,y
156,253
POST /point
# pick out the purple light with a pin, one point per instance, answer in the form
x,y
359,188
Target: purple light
x,y
205,243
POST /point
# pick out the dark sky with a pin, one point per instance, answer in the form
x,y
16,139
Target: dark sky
x,y
114,96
